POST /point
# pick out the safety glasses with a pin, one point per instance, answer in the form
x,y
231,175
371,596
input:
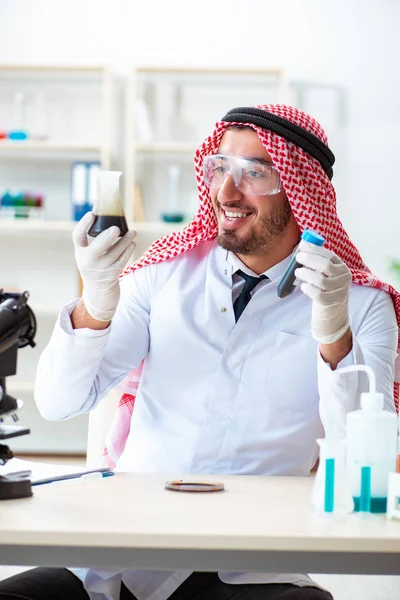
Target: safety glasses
x,y
249,176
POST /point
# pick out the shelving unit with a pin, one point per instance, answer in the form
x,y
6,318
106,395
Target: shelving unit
x,y
78,105
79,123
28,146
33,151
17,226
170,110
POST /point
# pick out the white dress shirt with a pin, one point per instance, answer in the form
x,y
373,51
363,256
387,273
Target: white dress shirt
x,y
215,396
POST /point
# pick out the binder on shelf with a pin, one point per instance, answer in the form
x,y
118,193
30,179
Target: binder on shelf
x,y
78,190
83,187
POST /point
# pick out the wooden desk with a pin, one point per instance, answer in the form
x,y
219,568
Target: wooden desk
x,y
258,523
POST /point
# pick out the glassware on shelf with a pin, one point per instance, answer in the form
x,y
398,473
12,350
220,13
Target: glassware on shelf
x,y
21,209
79,190
3,128
18,132
7,206
173,214
21,205
35,206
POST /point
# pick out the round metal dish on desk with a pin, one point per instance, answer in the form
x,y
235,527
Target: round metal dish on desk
x,y
190,486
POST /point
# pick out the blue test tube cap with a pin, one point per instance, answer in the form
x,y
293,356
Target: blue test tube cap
x,y
312,237
286,283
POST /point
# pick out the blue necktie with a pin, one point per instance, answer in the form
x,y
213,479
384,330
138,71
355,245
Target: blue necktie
x,y
243,299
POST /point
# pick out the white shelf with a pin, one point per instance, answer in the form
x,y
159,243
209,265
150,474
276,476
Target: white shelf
x,y
33,145
34,226
55,151
181,147
57,68
37,225
189,70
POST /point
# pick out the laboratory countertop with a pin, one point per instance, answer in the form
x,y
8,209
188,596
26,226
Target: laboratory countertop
x,y
255,520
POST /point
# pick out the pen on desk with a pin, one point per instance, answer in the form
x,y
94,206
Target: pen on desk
x,y
104,471
19,474
84,479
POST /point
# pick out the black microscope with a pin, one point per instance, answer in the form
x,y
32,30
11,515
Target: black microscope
x,y
17,330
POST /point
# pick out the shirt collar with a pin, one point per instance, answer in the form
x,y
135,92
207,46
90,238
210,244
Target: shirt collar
x,y
274,273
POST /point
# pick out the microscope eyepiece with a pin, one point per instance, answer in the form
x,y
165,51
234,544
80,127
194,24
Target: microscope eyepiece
x,y
17,321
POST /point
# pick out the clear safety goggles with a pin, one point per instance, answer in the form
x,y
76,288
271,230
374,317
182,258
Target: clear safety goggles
x,y
249,176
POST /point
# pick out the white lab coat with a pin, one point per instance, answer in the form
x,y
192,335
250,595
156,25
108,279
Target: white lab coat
x,y
215,397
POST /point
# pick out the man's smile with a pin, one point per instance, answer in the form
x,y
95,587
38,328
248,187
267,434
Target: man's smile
x,y
232,217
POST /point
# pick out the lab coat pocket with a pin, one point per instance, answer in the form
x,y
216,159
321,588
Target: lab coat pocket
x,y
291,381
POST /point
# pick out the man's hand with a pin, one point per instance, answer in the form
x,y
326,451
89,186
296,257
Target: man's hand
x,y
100,263
326,280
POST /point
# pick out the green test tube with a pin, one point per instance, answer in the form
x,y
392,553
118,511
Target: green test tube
x,y
329,500
365,494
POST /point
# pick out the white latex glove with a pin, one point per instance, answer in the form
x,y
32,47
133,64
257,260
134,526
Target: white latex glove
x,y
326,280
100,261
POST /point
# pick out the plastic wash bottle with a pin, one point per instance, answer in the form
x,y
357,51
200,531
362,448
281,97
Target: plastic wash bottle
x,y
371,442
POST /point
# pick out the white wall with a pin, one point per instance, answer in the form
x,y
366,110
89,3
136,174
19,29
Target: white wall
x,y
343,42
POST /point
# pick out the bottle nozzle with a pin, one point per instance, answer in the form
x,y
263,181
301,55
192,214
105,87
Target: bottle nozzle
x,y
371,400
366,369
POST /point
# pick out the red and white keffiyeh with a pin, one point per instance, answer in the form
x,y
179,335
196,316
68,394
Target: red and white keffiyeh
x,y
313,201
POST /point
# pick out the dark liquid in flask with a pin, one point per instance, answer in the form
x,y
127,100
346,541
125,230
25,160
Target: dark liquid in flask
x,y
105,221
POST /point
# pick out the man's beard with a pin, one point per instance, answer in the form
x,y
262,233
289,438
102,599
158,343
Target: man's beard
x,y
262,240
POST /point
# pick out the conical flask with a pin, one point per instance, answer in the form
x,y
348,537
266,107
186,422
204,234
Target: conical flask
x,y
331,492
107,208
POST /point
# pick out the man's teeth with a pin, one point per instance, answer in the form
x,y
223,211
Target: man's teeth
x,y
232,215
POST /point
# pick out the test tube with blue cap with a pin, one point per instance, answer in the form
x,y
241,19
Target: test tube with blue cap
x,y
286,284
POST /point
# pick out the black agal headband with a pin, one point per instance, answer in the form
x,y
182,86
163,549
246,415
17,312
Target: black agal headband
x,y
286,129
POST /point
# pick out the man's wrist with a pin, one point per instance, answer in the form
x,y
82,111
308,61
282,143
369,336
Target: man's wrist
x,y
82,319
334,353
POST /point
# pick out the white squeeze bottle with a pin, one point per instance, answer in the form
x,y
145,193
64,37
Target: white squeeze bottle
x,y
371,443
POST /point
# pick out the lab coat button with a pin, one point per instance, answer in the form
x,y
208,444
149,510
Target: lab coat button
x,y
223,309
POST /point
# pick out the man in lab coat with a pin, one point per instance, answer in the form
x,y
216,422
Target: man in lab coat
x,y
233,378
